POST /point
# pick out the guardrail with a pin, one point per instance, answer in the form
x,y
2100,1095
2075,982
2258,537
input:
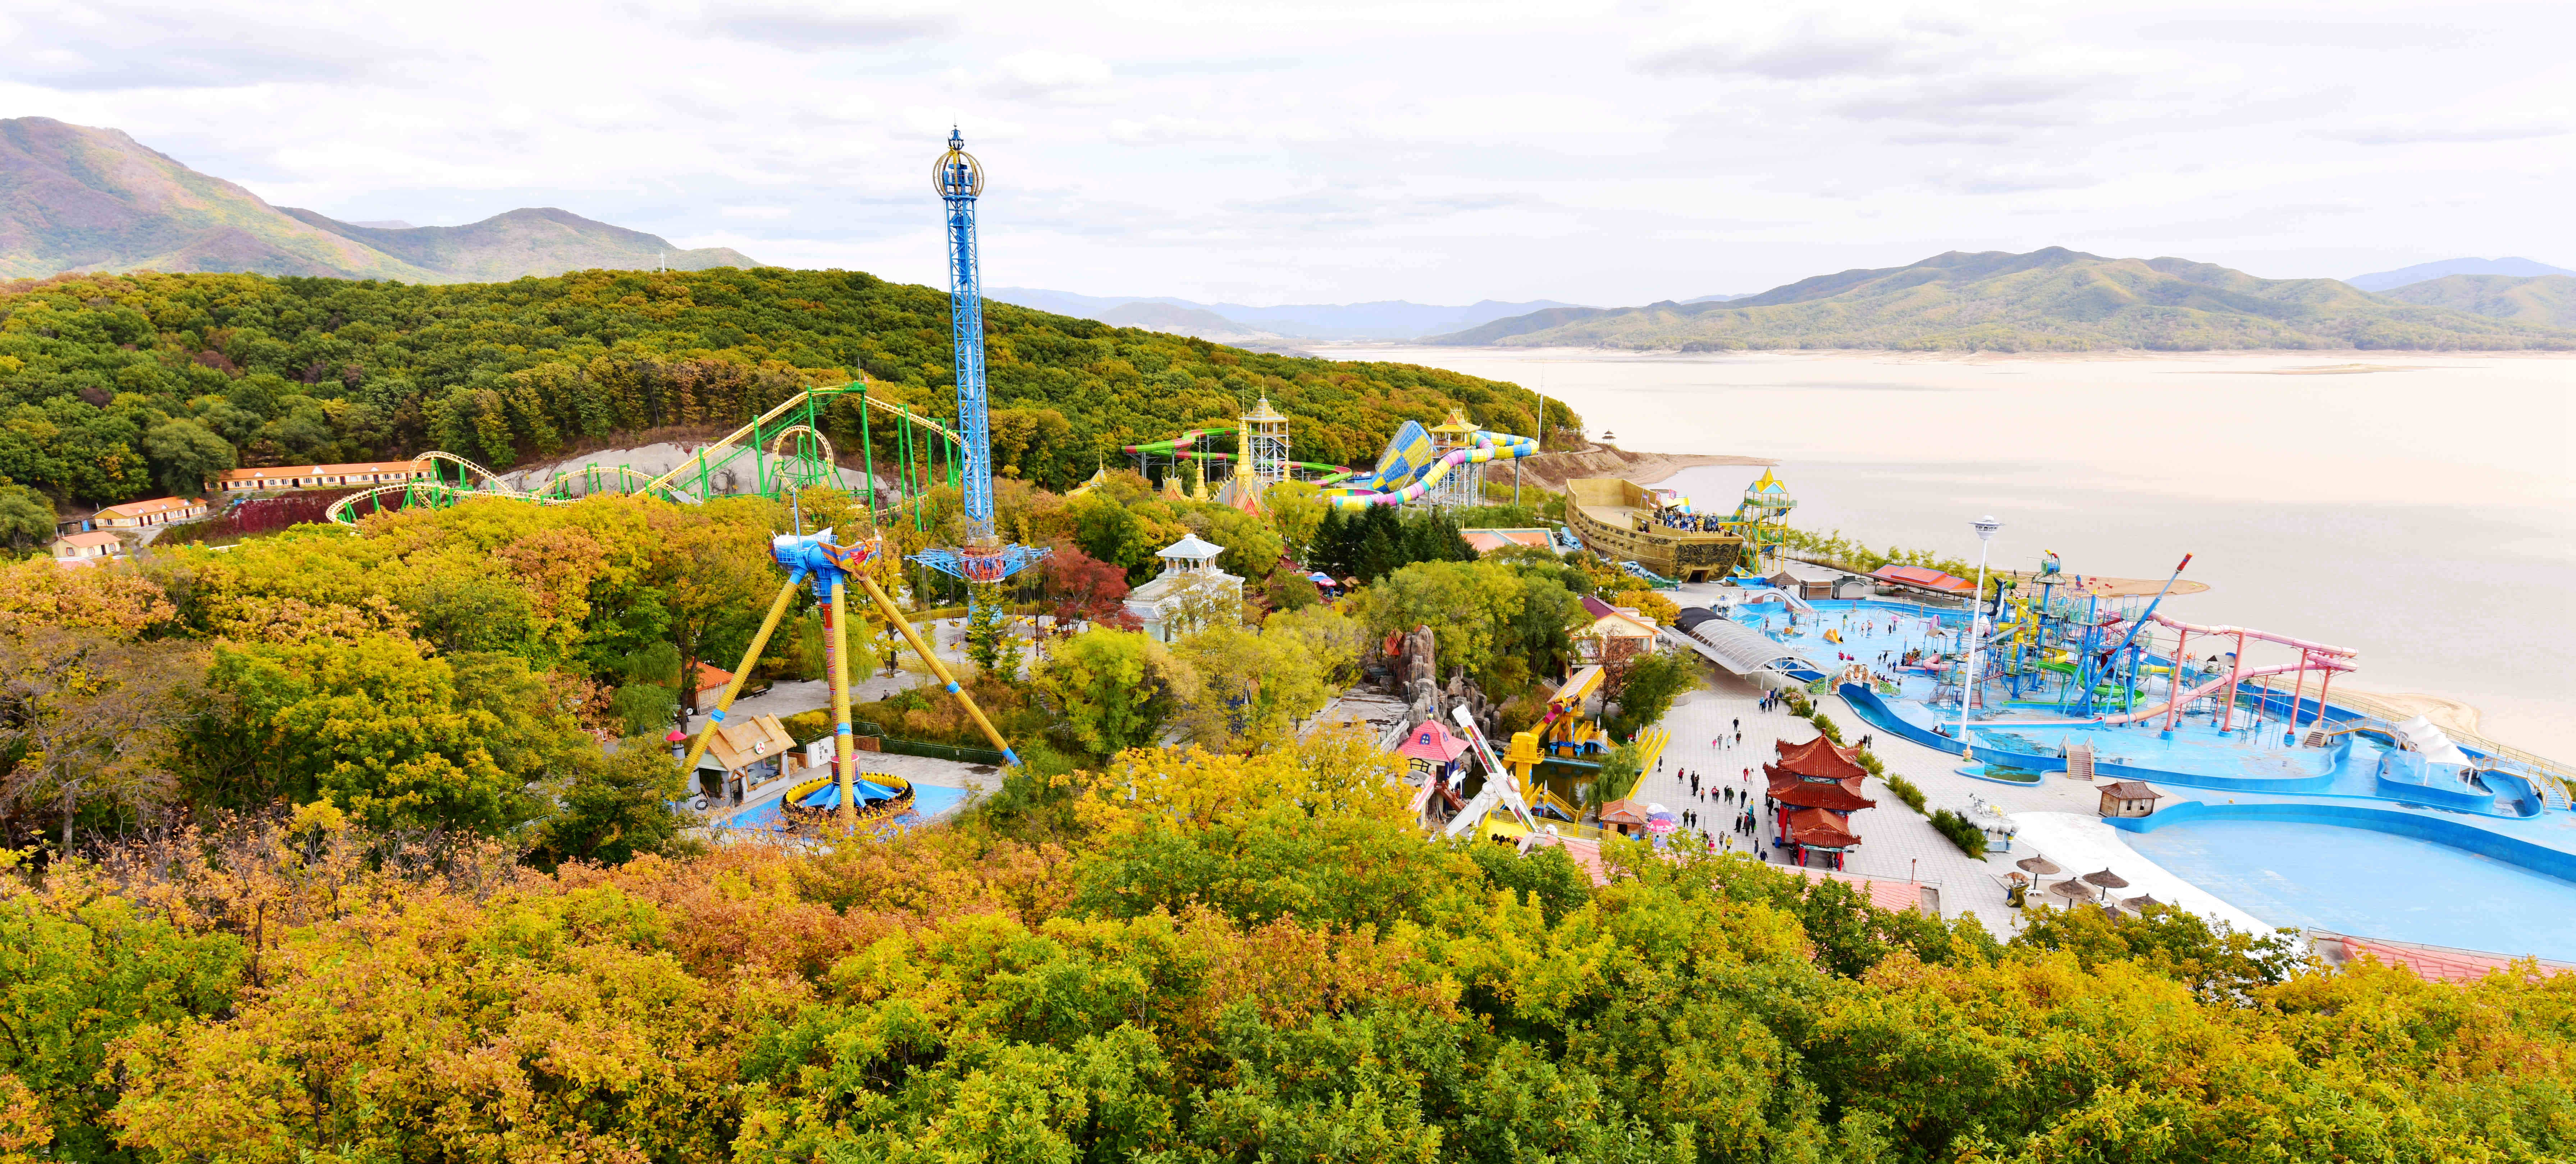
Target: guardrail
x,y
904,747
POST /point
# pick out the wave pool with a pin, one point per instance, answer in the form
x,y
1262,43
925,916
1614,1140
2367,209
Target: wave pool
x,y
2369,884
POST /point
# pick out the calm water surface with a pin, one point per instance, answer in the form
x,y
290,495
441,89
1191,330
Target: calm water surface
x,y
2419,508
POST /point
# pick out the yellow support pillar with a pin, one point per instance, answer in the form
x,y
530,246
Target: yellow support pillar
x,y
724,702
895,618
841,700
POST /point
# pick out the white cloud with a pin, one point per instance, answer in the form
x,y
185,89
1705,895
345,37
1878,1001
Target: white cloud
x,y
1601,151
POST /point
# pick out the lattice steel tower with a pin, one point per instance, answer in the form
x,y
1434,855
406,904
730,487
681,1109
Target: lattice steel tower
x,y
959,179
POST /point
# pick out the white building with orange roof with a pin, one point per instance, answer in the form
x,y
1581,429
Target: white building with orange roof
x,y
144,514
85,548
320,476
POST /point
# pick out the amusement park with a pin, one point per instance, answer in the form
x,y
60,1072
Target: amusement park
x,y
2050,737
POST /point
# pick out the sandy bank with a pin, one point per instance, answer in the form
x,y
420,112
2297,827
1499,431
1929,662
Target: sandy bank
x,y
1553,470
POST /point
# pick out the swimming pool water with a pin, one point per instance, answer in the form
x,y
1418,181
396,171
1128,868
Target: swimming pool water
x,y
2370,884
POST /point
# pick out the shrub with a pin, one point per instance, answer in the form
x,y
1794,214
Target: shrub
x,y
1961,831
1825,724
646,709
1905,791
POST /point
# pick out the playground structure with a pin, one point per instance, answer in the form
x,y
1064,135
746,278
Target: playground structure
x,y
1443,466
1540,774
1759,520
783,450
830,568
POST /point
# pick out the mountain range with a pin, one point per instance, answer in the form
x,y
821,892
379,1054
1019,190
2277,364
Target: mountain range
x,y
2425,272
2060,300
1393,319
76,198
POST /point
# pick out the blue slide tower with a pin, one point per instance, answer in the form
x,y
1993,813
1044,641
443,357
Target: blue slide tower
x,y
959,178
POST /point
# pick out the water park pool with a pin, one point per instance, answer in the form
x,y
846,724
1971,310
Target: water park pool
x,y
1865,628
2197,747
928,801
2355,881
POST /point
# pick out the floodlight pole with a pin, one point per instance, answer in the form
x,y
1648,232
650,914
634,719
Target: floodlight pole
x,y
1986,527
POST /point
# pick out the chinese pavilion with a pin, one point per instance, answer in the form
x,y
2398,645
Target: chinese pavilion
x,y
1814,789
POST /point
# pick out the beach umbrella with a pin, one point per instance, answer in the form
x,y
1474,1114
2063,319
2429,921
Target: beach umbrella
x,y
2107,880
2037,866
2073,889
2139,903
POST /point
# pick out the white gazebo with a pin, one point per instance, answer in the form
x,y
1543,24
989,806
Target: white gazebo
x,y
1188,593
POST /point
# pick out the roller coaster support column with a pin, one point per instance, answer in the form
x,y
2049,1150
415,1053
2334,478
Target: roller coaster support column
x,y
841,700
724,702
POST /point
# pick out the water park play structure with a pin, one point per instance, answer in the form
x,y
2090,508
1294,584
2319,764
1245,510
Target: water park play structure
x,y
1651,528
1661,536
1443,466
2232,726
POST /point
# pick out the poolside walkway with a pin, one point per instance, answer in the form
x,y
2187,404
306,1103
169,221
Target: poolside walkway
x,y
1898,844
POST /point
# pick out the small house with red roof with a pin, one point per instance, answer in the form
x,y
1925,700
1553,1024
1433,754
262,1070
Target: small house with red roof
x,y
1617,633
1433,752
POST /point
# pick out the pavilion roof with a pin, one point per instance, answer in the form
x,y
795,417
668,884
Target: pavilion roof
x,y
1623,812
1818,759
1837,795
1819,829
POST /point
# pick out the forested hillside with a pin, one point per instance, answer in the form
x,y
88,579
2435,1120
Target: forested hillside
x,y
115,386
2048,300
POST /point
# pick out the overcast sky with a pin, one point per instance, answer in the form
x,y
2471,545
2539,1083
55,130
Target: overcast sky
x,y
1306,151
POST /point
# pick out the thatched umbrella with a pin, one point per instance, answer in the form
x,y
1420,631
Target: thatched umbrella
x,y
2073,889
2037,866
2107,880
2139,903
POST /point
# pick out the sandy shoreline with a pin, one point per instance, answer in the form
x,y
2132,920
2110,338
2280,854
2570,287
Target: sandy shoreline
x,y
1553,470
2335,358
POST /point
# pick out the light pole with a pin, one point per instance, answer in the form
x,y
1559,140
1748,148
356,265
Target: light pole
x,y
1986,527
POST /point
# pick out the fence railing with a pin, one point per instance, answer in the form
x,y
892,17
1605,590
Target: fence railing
x,y
904,747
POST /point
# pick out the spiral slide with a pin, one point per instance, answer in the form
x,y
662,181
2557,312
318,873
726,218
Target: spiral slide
x,y
1407,469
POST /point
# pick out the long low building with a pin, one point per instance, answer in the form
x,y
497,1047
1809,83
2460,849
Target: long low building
x,y
156,511
1627,522
320,476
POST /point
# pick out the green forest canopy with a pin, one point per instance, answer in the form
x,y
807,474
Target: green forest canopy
x,y
119,386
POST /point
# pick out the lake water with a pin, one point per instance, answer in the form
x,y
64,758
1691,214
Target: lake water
x,y
2420,508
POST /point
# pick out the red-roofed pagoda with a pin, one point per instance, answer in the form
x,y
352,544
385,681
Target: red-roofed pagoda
x,y
1814,789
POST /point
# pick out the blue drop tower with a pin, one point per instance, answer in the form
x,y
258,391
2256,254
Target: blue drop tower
x,y
959,178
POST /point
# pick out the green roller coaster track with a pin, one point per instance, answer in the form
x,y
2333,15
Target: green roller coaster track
x,y
784,448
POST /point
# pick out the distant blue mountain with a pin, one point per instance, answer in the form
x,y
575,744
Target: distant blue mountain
x,y
1392,319
2422,272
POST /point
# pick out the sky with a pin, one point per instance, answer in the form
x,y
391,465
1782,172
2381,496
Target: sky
x,y
1330,151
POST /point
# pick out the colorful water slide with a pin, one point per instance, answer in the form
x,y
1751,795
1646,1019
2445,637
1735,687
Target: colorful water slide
x,y
1184,447
1409,467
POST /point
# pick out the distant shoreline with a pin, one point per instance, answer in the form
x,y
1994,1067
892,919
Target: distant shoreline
x,y
1353,351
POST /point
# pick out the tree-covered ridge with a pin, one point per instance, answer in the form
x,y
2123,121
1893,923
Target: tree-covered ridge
x,y
2048,300
112,386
